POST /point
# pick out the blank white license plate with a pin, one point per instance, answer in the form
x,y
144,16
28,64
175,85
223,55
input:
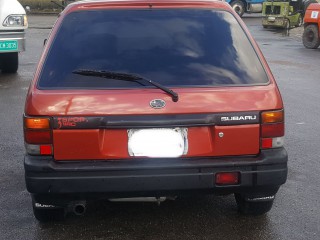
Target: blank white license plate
x,y
158,142
272,19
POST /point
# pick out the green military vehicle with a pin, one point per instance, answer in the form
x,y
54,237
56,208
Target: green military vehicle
x,y
282,13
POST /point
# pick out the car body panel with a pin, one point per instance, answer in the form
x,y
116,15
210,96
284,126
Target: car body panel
x,y
106,144
12,37
124,102
313,14
7,34
90,129
10,7
71,144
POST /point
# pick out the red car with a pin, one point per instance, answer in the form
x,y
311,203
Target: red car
x,y
150,99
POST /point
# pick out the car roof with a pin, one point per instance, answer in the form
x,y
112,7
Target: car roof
x,y
107,4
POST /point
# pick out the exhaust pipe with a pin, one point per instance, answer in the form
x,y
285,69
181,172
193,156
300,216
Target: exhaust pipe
x,y
79,208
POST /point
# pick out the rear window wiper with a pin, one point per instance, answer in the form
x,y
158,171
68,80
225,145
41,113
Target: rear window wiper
x,y
126,77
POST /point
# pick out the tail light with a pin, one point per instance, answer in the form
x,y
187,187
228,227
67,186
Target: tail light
x,y
38,135
272,129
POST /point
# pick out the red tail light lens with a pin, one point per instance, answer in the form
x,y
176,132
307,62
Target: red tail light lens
x,y
38,137
272,130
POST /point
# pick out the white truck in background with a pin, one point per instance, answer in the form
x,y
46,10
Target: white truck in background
x,y
13,22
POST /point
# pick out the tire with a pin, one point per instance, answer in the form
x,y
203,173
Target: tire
x,y
44,215
238,7
10,62
246,207
300,21
310,37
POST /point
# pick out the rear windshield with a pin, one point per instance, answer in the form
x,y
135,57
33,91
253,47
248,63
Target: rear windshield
x,y
180,48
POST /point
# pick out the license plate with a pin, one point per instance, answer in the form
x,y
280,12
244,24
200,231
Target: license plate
x,y
158,142
8,45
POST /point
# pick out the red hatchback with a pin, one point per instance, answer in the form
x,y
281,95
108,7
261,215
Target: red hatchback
x,y
152,98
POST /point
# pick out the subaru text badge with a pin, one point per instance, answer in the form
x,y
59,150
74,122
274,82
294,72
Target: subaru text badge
x,y
157,103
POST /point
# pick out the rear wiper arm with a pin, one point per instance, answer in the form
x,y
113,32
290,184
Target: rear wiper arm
x,y
126,77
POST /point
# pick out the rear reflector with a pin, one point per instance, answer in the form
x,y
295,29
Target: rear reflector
x,y
227,178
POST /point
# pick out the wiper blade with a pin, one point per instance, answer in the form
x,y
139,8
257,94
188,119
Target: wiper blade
x,y
126,77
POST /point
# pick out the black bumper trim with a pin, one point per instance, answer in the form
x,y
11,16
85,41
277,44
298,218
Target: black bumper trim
x,y
151,121
44,175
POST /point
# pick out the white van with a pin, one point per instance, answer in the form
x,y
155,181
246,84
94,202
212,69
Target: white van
x,y
13,22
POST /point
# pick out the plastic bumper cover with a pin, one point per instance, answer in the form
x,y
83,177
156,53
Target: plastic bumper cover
x,y
129,177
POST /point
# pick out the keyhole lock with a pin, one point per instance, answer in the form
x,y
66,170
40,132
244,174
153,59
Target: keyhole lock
x,y
221,134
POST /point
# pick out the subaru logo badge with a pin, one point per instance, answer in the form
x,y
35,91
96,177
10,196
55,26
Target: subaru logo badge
x,y
157,103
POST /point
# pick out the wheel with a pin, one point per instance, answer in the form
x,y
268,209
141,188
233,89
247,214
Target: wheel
x,y
246,207
46,212
300,21
310,37
10,62
238,7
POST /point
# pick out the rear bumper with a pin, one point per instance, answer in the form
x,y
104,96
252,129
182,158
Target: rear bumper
x,y
143,177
